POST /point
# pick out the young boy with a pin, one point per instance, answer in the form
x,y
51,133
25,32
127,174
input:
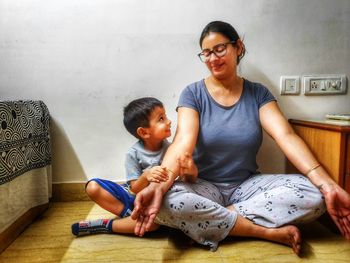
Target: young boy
x,y
145,118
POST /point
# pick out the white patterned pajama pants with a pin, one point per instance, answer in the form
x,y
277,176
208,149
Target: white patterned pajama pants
x,y
272,200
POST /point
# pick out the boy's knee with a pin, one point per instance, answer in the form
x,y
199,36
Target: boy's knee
x,y
92,188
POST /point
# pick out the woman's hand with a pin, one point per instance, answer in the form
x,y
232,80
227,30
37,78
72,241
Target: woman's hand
x,y
338,207
156,174
187,169
147,204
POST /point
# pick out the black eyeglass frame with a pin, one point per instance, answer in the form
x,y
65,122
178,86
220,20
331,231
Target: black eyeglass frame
x,y
212,51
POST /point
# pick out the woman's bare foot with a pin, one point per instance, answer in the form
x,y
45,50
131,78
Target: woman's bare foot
x,y
288,235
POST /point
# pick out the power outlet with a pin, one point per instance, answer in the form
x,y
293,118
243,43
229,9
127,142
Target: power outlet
x,y
324,84
314,85
290,85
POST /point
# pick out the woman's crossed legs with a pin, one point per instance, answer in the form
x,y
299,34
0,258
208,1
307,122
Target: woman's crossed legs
x,y
254,209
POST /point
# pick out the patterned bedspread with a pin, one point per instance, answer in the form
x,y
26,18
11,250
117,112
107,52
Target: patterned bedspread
x,y
24,138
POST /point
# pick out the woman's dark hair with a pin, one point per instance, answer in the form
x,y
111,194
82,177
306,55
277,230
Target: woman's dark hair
x,y
137,113
224,29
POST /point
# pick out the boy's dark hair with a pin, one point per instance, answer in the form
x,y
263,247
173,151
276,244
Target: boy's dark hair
x,y
137,113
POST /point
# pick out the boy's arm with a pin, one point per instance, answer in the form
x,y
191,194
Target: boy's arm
x,y
137,177
155,174
134,172
138,184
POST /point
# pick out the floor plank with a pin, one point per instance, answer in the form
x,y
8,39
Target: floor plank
x,y
49,239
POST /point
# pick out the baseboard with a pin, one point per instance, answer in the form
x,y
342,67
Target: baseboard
x,y
14,230
69,192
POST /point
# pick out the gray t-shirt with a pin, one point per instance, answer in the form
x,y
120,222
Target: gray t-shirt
x,y
139,159
229,137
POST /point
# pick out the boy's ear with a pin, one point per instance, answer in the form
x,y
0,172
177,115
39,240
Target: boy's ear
x,y
142,132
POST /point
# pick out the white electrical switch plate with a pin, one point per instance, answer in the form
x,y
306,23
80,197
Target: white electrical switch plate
x,y
324,84
290,85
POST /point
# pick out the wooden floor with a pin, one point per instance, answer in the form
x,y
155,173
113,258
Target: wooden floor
x,y
49,239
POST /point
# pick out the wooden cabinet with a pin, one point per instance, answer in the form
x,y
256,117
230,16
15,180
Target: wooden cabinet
x,y
330,143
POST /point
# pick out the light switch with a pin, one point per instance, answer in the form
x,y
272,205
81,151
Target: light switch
x,y
290,85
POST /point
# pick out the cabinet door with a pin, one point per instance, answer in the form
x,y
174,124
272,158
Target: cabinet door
x,y
347,164
325,145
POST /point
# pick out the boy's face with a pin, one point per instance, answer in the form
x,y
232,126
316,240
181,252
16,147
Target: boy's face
x,y
159,125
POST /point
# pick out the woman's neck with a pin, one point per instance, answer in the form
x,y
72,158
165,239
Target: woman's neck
x,y
226,92
232,84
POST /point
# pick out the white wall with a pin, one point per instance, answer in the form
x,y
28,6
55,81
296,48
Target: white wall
x,y
87,58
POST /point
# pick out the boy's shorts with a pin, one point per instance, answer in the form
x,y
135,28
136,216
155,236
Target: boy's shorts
x,y
120,191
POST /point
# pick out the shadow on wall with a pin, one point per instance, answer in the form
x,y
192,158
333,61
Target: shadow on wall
x,y
66,166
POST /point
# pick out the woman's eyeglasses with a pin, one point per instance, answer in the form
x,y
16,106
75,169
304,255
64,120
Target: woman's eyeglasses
x,y
219,51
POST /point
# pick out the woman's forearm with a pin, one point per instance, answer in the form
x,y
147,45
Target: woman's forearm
x,y
184,142
302,158
292,145
321,179
178,147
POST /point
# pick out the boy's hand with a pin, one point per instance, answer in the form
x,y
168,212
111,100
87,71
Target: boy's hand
x,y
157,174
187,169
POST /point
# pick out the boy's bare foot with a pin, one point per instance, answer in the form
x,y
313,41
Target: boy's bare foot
x,y
288,235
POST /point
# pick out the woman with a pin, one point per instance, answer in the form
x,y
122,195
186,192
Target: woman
x,y
220,121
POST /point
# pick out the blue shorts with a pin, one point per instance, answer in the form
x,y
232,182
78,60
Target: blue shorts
x,y
120,191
